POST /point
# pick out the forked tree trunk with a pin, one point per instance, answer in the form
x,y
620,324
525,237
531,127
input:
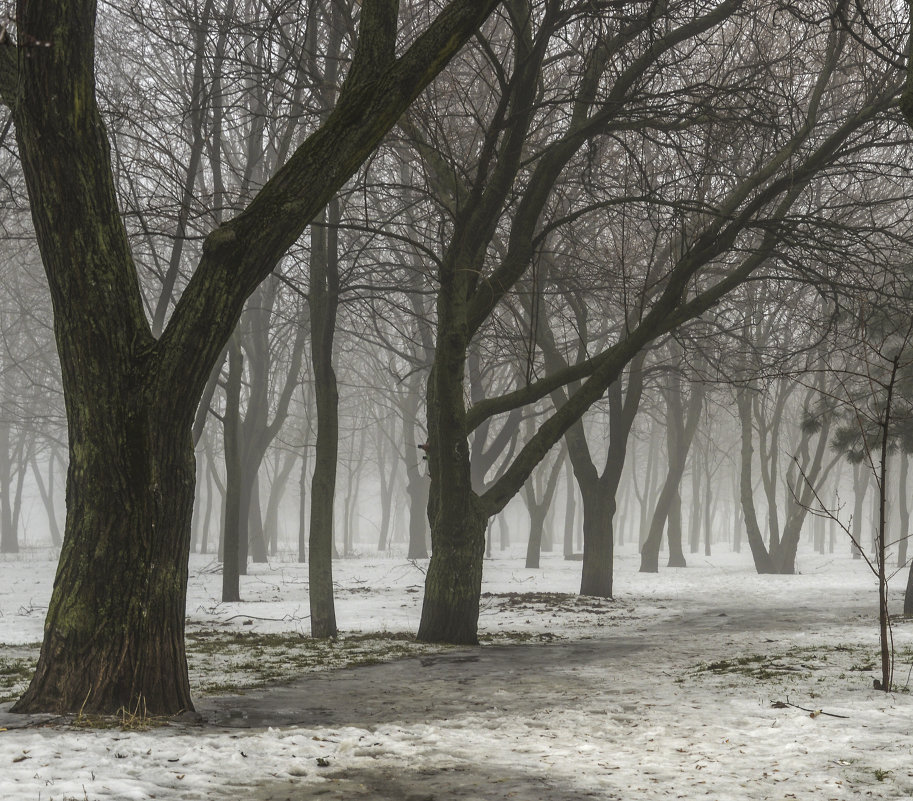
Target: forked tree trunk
x,y
762,560
538,509
114,631
681,434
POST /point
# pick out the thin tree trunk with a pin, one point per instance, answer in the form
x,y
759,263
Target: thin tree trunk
x,y
570,511
759,551
323,300
903,505
231,517
276,494
861,478
680,443
9,536
694,518
47,498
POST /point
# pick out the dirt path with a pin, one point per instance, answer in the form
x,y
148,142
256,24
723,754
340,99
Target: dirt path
x,y
519,680
519,677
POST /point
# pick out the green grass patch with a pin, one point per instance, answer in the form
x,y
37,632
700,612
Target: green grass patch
x,y
16,668
228,661
821,664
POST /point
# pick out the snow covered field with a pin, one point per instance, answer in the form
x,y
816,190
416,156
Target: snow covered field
x,y
704,682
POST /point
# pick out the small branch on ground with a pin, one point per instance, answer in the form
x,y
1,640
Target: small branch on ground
x,y
813,712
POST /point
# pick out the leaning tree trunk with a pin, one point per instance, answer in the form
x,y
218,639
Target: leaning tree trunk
x,y
681,435
762,561
538,511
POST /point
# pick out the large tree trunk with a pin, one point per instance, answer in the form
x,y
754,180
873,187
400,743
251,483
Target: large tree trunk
x,y
450,611
111,643
598,543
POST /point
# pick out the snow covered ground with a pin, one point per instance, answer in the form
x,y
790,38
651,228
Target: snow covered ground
x,y
704,682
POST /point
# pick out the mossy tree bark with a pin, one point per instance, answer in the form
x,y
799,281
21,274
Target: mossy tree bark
x,y
450,609
114,632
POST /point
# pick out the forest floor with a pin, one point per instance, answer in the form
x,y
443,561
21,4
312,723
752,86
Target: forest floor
x,y
704,682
